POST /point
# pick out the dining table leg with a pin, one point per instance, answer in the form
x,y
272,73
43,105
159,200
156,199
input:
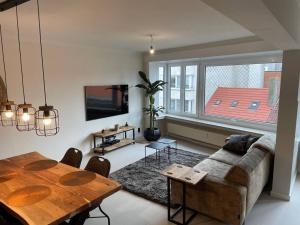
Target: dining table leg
x,y
79,219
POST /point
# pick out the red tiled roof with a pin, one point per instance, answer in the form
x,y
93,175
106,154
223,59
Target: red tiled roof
x,y
244,96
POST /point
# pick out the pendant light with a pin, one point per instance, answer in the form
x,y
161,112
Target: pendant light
x,y
8,108
47,118
151,49
25,116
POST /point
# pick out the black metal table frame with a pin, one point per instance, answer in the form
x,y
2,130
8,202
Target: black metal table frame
x,y
182,207
103,138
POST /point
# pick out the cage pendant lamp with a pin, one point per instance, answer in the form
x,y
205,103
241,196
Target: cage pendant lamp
x,y
47,117
7,108
25,114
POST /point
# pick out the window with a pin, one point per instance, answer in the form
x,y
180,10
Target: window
x,y
234,103
175,89
218,102
254,105
190,92
241,90
175,76
252,91
175,105
161,76
157,71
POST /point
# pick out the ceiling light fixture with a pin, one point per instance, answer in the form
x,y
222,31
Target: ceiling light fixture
x,y
47,118
151,49
25,116
8,108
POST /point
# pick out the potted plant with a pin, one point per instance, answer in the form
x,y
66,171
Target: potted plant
x,y
151,133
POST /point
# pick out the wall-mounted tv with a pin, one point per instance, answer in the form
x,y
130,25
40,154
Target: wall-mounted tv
x,y
105,101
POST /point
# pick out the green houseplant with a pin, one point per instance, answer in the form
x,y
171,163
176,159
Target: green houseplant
x,y
151,133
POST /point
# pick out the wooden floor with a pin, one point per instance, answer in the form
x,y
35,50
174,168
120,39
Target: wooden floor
x,y
128,209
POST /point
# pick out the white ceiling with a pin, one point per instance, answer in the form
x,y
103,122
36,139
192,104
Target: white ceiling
x,y
124,23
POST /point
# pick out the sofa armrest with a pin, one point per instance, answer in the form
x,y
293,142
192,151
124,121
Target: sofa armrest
x,y
253,172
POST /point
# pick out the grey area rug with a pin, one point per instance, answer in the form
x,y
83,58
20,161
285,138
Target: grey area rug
x,y
146,181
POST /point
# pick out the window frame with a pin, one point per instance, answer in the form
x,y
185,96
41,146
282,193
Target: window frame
x,y
183,66
202,63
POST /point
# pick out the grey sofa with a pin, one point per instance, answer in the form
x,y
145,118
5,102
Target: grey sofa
x,y
233,183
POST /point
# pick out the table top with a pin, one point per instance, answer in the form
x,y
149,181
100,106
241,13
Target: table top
x,y
184,174
108,133
41,191
157,145
166,141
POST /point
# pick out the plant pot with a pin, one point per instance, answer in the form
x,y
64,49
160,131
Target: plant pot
x,y
152,135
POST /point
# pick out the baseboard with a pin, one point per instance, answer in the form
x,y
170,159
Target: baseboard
x,y
280,196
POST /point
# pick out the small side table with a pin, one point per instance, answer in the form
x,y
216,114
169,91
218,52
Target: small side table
x,y
185,175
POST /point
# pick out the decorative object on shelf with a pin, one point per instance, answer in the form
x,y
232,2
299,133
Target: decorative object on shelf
x,y
47,117
151,49
25,114
8,108
151,133
126,124
116,127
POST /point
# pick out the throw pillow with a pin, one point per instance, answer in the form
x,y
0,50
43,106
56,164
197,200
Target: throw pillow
x,y
251,140
237,144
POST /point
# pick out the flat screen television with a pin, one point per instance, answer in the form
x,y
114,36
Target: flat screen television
x,y
105,101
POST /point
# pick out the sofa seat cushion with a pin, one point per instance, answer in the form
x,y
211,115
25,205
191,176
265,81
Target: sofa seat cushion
x,y
214,168
227,157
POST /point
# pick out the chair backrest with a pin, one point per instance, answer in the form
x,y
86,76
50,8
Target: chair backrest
x,y
72,157
98,165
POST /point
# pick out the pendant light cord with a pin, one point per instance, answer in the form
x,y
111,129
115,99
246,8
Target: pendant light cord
x,y
4,65
41,47
151,40
20,54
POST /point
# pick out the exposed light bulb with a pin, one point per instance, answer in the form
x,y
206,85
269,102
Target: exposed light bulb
x,y
25,117
47,121
151,50
9,114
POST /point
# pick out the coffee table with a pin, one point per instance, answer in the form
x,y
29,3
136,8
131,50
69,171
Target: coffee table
x,y
168,141
158,148
186,176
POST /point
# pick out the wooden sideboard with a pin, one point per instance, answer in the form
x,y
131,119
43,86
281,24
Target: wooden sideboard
x,y
108,133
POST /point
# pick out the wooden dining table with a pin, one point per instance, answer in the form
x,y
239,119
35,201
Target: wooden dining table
x,y
39,191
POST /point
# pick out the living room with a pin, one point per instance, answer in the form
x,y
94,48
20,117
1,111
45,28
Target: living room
x,y
227,68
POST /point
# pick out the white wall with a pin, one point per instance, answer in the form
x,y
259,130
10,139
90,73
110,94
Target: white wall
x,y
68,70
287,144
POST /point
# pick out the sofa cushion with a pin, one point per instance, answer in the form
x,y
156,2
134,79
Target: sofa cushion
x,y
226,157
214,168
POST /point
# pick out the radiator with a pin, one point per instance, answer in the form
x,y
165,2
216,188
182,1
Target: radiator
x,y
196,134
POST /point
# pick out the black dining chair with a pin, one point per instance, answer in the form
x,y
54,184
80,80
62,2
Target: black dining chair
x,y
7,219
100,166
72,157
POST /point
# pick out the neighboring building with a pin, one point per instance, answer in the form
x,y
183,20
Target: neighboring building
x,y
242,103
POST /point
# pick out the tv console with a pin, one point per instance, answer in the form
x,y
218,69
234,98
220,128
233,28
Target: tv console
x,y
107,134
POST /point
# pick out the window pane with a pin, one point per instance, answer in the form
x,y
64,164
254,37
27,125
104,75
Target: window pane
x,y
161,72
190,89
243,92
175,80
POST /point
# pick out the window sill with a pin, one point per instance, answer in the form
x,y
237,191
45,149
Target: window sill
x,y
214,125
